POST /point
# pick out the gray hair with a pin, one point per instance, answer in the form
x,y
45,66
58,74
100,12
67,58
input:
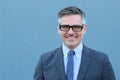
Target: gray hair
x,y
71,11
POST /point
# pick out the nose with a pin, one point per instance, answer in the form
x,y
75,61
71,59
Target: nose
x,y
70,31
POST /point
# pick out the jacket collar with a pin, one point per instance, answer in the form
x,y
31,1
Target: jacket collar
x,y
85,63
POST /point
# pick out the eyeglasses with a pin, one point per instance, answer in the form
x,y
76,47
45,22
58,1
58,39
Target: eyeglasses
x,y
75,28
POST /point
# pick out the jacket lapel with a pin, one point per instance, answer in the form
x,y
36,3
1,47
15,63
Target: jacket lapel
x,y
85,62
59,63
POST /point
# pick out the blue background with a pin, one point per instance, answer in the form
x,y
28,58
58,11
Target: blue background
x,y
29,28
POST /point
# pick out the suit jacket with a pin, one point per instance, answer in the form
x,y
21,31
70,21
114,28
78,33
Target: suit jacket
x,y
94,66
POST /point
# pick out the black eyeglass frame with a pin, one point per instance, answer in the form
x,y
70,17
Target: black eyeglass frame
x,y
75,28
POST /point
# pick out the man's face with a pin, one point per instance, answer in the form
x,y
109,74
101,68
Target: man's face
x,y
71,38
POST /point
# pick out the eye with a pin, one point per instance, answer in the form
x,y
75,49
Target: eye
x,y
76,26
64,26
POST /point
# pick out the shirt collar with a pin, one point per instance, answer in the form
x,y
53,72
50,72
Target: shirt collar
x,y
78,50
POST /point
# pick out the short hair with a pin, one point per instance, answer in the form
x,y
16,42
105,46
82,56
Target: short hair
x,y
71,11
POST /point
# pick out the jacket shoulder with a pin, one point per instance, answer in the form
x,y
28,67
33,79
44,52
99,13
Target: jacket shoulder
x,y
96,54
50,53
49,57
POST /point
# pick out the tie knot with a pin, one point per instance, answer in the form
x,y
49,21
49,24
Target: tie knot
x,y
71,52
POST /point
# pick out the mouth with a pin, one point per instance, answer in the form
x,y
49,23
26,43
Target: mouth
x,y
71,38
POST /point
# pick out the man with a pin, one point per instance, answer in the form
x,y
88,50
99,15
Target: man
x,y
73,60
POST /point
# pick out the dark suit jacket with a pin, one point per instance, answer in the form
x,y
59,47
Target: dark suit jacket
x,y
94,66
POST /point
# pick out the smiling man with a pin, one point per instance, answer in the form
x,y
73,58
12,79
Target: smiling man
x,y
71,30
73,60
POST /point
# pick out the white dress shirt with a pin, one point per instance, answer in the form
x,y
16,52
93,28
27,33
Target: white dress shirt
x,y
77,58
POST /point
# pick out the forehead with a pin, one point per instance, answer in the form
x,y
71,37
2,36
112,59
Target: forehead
x,y
71,19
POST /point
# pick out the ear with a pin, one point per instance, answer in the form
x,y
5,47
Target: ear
x,y
58,29
84,28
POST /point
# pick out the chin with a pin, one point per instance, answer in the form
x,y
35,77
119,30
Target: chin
x,y
71,45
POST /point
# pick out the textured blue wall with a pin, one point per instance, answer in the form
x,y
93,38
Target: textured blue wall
x,y
29,28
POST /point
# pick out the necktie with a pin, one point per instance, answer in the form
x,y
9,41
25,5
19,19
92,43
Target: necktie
x,y
70,65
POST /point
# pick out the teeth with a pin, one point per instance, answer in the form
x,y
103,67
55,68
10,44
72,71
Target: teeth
x,y
72,36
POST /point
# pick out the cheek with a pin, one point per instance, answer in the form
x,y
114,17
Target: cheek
x,y
62,35
80,35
